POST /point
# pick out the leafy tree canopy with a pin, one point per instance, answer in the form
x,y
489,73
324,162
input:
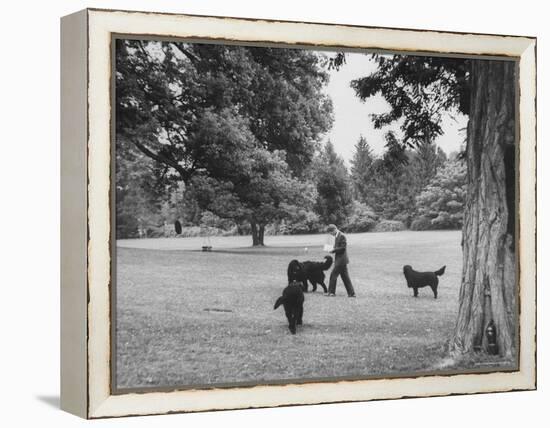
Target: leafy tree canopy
x,y
261,189
238,123
419,90
168,91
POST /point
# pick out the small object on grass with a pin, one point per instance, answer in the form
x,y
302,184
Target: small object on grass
x,y
491,333
206,244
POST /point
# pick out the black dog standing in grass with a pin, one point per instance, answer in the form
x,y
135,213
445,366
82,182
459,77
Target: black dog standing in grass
x,y
309,271
416,280
293,302
313,272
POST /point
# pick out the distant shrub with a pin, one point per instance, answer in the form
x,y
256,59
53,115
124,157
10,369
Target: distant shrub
x,y
154,231
244,228
126,226
210,220
361,218
210,225
300,222
197,231
389,226
273,229
421,223
234,231
405,218
190,232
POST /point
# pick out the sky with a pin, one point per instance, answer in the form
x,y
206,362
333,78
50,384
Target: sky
x,y
352,116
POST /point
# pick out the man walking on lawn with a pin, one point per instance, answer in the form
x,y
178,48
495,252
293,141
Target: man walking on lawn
x,y
340,262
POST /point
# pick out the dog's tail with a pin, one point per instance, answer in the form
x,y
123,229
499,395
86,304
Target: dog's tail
x,y
328,262
440,271
279,302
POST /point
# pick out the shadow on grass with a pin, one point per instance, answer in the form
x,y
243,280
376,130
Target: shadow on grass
x,y
261,251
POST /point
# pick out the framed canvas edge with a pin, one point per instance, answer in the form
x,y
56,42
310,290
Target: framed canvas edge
x,y
73,211
102,24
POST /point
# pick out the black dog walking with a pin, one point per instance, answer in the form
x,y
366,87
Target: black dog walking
x,y
313,272
416,280
341,261
309,271
293,302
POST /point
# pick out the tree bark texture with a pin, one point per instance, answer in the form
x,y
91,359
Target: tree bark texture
x,y
488,290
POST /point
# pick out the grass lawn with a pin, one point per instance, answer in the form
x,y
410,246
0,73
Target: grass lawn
x,y
185,317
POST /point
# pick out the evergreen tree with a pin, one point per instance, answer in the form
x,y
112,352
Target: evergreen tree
x,y
334,193
427,159
440,205
362,170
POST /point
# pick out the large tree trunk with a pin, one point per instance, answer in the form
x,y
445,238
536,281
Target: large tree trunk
x,y
257,234
488,289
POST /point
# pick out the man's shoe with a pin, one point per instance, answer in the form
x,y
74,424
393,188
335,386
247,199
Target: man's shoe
x,y
330,295
352,295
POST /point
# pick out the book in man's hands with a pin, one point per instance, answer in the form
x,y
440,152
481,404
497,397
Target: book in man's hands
x,y
328,248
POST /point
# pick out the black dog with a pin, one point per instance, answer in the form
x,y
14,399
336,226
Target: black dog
x,y
293,302
416,280
309,271
295,272
313,272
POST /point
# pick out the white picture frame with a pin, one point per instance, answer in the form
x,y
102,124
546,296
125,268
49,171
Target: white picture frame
x,y
86,210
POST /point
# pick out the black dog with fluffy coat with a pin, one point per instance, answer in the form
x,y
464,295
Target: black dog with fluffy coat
x,y
293,302
314,273
309,271
295,271
416,280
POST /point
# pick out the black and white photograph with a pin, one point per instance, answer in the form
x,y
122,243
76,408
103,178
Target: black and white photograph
x,y
275,214
287,214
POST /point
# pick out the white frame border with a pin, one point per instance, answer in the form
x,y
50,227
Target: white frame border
x,y
101,25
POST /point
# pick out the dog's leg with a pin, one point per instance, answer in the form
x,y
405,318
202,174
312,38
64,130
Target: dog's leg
x,y
291,320
325,290
304,285
415,289
313,285
434,287
292,324
299,314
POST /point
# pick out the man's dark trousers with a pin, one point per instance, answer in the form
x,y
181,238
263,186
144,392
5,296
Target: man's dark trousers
x,y
342,271
340,268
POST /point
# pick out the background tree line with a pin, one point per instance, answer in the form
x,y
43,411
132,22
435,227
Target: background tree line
x,y
425,192
226,140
